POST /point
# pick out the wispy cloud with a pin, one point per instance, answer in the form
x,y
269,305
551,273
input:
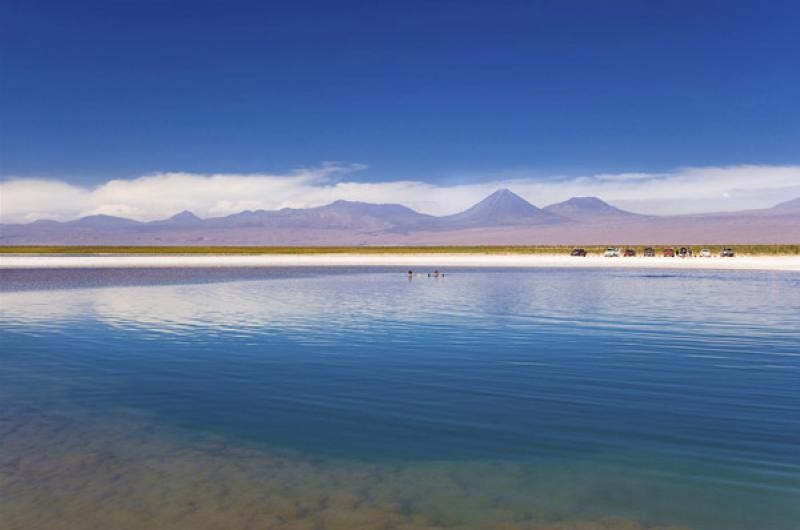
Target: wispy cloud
x,y
159,195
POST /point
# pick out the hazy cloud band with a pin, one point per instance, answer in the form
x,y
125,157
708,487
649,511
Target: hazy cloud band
x,y
160,195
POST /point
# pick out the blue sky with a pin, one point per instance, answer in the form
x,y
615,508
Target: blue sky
x,y
430,91
144,108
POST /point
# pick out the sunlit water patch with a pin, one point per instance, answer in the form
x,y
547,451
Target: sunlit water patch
x,y
539,399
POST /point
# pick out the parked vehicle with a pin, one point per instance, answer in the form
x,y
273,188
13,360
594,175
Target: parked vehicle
x,y
669,252
705,253
578,252
727,253
649,252
611,252
684,252
629,253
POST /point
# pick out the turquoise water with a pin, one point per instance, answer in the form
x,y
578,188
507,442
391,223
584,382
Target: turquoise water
x,y
257,398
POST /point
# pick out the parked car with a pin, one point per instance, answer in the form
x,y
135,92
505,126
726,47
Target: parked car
x,y
684,252
727,253
629,253
669,252
649,252
578,252
705,253
611,252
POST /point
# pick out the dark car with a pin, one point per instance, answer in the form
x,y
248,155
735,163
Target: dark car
x,y
578,252
684,252
669,252
727,253
649,252
629,253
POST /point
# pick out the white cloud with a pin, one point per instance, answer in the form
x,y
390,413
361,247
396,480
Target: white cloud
x,y
156,196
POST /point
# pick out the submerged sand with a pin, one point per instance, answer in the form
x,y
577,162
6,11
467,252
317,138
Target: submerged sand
x,y
126,472
410,261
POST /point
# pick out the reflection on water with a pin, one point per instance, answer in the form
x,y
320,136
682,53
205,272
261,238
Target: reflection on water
x,y
487,399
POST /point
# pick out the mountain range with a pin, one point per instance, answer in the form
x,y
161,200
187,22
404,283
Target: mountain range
x,y
502,218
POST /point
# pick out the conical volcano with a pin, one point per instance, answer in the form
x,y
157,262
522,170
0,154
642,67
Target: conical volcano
x,y
503,207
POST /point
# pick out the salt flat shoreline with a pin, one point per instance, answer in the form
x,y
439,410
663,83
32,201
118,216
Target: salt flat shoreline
x,y
410,261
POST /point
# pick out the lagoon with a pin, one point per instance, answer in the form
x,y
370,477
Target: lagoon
x,y
357,398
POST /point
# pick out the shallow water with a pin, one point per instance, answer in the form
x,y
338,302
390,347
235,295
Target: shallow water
x,y
257,398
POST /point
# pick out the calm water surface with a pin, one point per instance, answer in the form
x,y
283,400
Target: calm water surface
x,y
542,399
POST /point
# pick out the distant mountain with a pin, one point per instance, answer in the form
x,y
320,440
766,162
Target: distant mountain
x,y
502,218
792,206
588,209
503,207
346,215
349,214
789,208
103,221
183,219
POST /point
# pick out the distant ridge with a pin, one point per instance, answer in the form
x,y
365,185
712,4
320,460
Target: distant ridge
x,y
345,215
182,219
103,221
792,206
588,209
502,218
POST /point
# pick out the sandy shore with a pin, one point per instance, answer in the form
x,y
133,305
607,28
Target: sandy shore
x,y
411,261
